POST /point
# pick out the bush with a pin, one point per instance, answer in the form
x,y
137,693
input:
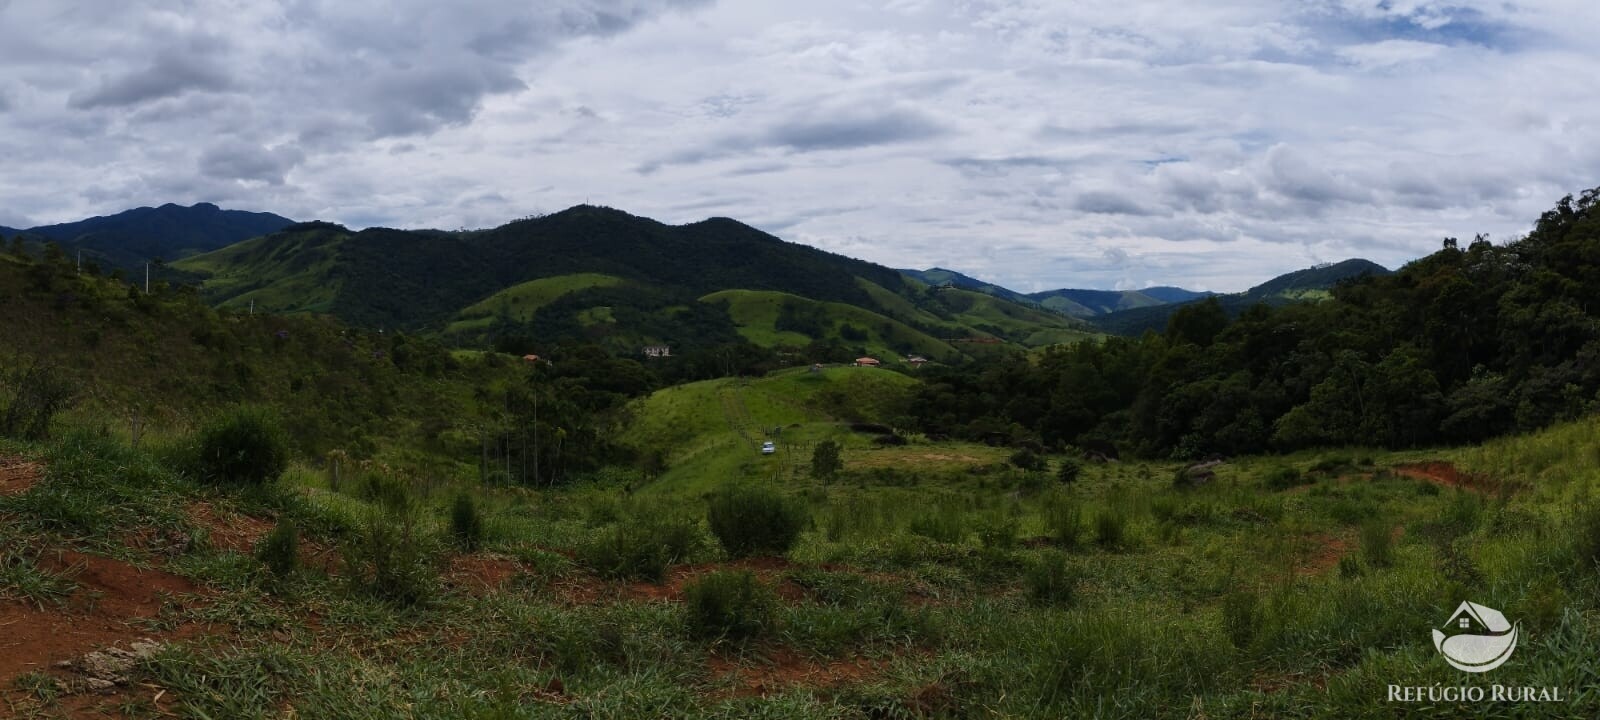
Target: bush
x,y
729,604
825,462
1050,580
1026,459
391,558
946,523
29,398
1586,538
1068,471
1283,478
466,524
640,548
243,446
998,530
752,519
280,549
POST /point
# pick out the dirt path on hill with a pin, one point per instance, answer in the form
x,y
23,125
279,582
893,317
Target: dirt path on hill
x,y
1444,473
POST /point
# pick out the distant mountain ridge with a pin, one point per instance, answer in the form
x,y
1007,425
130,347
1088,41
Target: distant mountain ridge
x,y
131,237
606,276
1309,283
1079,303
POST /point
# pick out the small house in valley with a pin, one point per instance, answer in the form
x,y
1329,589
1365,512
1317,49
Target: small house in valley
x,y
657,351
867,362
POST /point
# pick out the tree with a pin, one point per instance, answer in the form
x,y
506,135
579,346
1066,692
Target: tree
x,y
825,461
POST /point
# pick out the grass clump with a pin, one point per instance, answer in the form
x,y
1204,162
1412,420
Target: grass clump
x,y
1111,528
245,446
1050,580
731,605
1068,471
466,523
1377,544
280,549
1285,477
640,547
1063,521
1241,617
753,519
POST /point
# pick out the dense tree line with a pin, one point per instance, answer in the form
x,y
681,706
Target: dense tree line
x,y
1464,344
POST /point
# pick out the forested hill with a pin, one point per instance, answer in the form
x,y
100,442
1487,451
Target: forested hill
x,y
1310,283
603,275
1464,344
132,237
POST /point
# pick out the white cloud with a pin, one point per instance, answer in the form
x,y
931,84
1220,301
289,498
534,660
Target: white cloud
x,y
1039,144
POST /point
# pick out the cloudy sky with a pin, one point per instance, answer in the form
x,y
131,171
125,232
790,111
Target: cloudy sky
x,y
1090,143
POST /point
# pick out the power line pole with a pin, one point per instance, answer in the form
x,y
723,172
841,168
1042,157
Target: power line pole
x,y
80,261
147,277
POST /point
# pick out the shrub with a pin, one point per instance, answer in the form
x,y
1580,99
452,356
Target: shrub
x,y
280,549
1026,459
1063,520
998,530
243,446
1377,544
825,462
1240,618
29,398
1285,477
729,604
466,524
1051,580
752,519
391,558
640,547
1068,471
1349,567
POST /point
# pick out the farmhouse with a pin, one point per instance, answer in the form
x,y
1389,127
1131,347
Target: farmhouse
x,y
657,351
916,360
867,362
531,358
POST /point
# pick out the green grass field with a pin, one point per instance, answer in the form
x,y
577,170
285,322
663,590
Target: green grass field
x,y
756,313
929,580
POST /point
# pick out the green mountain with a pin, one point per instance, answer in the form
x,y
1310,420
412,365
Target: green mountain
x,y
602,275
1308,284
1089,303
1169,294
940,277
129,238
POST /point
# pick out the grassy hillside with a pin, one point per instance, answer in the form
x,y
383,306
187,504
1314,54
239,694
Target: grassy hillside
x,y
711,431
756,315
520,302
927,580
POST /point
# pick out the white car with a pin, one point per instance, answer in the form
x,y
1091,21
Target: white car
x,y
769,447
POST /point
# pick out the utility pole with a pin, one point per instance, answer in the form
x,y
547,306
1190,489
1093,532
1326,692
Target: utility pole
x,y
80,261
252,308
147,277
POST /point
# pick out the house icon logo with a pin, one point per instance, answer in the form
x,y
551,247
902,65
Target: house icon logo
x,y
1476,639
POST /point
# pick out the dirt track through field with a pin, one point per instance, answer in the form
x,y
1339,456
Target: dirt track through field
x,y
17,475
1443,473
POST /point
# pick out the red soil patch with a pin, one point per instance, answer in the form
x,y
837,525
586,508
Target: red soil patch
x,y
17,475
111,595
769,569
1439,472
587,590
1325,554
481,573
784,668
229,530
